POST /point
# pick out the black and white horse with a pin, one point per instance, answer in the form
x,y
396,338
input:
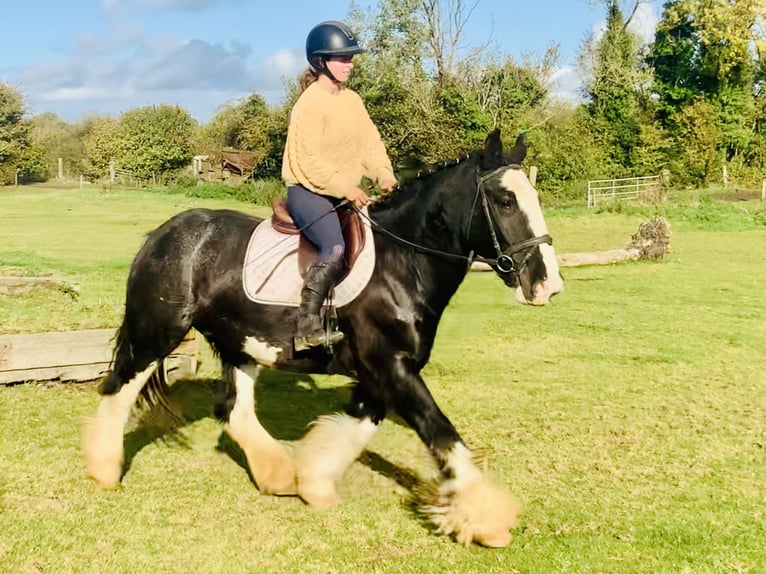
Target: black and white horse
x,y
189,274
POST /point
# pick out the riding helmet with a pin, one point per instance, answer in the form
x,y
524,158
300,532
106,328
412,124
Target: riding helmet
x,y
331,38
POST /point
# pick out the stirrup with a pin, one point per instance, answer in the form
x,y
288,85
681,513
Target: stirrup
x,y
321,337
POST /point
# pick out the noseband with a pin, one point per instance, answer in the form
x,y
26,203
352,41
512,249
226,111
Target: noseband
x,y
504,261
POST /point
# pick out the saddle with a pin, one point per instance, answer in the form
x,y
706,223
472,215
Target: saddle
x,y
278,256
351,226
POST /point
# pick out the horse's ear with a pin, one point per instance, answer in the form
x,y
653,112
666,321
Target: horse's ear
x,y
493,150
519,150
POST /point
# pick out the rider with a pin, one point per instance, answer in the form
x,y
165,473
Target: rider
x,y
331,144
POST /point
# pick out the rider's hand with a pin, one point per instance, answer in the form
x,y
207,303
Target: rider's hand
x,y
388,185
358,196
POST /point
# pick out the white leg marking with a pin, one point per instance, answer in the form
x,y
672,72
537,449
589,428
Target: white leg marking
x,y
325,453
102,446
470,506
269,463
262,352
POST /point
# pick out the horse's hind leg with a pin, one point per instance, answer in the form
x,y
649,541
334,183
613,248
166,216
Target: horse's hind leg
x,y
151,329
270,465
102,443
331,446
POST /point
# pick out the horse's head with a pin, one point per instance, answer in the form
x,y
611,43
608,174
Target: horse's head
x,y
507,226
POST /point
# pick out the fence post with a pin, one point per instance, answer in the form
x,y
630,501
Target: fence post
x,y
725,177
61,168
112,173
533,175
763,191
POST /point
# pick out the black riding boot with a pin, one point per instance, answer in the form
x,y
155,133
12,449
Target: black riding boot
x,y
311,332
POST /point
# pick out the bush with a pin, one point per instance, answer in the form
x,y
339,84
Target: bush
x,y
259,192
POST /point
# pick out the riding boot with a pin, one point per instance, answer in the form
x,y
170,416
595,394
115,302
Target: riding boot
x,y
310,331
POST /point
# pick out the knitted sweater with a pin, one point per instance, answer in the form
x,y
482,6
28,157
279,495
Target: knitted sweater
x,y
332,143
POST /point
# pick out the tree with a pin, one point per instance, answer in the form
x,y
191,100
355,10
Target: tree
x,y
429,98
154,140
14,133
248,124
101,142
613,86
58,139
708,51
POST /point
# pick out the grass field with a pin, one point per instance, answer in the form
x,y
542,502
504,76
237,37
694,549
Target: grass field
x,y
628,417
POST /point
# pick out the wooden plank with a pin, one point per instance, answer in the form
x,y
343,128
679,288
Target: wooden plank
x,y
74,355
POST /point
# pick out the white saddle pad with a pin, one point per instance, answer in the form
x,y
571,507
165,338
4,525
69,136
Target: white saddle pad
x,y
272,274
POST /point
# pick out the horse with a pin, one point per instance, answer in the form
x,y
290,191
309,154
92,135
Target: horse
x,y
188,274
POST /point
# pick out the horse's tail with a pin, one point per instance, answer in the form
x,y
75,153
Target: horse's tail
x,y
155,393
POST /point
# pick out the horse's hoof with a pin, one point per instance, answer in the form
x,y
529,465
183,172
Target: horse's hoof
x,y
279,478
479,512
103,461
498,539
278,486
319,494
105,473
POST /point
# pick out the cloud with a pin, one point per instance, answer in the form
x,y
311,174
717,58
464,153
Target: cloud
x,y
644,23
125,68
197,65
185,5
565,84
276,68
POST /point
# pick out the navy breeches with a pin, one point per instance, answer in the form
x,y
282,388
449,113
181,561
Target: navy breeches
x,y
315,215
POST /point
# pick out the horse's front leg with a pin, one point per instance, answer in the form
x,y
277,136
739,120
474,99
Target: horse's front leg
x,y
464,502
270,465
332,444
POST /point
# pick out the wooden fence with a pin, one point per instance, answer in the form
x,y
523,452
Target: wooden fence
x,y
629,188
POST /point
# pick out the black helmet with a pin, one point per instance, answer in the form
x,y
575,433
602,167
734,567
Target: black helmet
x,y
330,38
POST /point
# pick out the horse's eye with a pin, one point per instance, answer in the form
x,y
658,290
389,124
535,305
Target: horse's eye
x,y
507,201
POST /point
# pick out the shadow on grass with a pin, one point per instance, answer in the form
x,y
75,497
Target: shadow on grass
x,y
286,404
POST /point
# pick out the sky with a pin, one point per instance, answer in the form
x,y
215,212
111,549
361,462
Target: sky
x,y
103,57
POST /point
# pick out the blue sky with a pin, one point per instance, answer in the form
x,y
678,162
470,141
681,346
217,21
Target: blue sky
x,y
107,56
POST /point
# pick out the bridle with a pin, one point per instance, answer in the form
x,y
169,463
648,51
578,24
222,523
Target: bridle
x,y
504,261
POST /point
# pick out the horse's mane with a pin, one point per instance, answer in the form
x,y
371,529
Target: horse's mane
x,y
412,172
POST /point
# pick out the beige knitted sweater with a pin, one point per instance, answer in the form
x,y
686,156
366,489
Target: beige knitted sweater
x,y
332,143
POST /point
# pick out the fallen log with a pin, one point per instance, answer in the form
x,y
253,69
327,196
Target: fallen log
x,y
597,257
650,242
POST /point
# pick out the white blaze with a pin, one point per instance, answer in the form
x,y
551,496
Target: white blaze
x,y
515,180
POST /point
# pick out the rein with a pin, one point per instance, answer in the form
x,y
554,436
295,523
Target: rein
x,y
504,261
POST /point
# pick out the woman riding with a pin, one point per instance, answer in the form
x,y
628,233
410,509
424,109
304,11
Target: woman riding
x,y
331,144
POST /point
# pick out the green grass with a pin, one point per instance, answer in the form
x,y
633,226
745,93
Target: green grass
x,y
628,417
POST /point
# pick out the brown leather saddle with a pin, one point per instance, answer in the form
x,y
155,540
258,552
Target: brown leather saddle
x,y
350,223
